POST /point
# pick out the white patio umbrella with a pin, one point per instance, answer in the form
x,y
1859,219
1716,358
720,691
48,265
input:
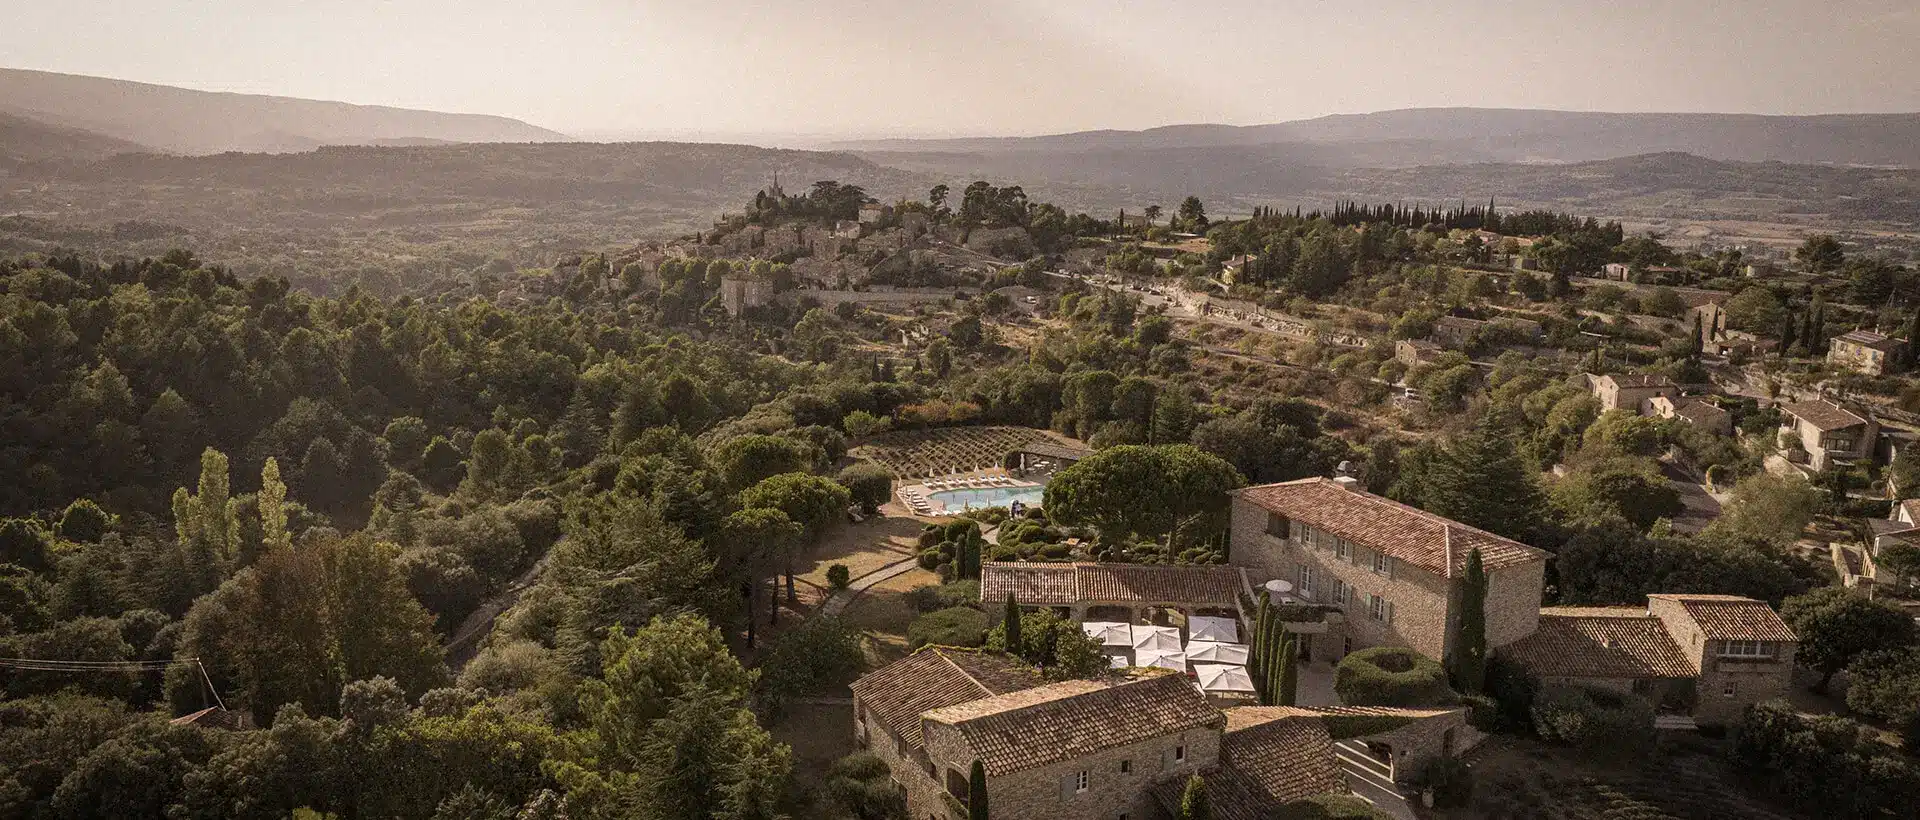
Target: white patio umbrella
x,y
1217,652
1156,639
1223,678
1118,662
1204,628
1175,661
1109,633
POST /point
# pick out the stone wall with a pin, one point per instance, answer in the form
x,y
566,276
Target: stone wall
x,y
909,772
1513,602
1046,793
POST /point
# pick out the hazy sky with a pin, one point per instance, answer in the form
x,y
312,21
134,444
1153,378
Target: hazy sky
x,y
916,67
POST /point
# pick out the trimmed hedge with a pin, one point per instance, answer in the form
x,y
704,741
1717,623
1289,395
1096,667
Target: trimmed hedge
x,y
936,597
958,626
1593,719
1392,676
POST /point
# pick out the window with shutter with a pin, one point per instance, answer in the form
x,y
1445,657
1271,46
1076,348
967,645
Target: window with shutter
x,y
1278,526
1066,786
1389,612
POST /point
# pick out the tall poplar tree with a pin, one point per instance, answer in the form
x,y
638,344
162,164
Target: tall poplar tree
x,y
272,503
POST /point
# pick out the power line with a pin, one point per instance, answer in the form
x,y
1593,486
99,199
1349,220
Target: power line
x,y
111,667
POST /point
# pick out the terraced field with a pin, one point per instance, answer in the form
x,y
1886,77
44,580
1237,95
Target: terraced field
x,y
1525,779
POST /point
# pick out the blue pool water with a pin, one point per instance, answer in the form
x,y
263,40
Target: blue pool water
x,y
957,500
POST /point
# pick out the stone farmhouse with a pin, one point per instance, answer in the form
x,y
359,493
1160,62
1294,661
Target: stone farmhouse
x,y
1696,411
1864,351
1703,656
1120,747
1074,750
1394,570
1825,434
1632,393
1394,575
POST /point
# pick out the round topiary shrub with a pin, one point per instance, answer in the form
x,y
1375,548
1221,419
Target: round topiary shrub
x,y
1593,719
959,626
838,576
1391,676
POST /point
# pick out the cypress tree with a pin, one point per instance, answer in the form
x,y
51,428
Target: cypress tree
x,y
1913,339
1469,655
1193,804
977,792
1698,329
1786,334
1817,340
1011,621
1287,691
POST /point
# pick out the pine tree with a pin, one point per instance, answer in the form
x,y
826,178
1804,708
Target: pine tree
x,y
1193,804
977,792
1011,621
1481,481
1469,655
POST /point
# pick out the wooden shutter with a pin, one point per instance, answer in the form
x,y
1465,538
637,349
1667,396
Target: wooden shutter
x,y
1066,786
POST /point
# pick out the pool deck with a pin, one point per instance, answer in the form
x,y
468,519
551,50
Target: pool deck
x,y
929,493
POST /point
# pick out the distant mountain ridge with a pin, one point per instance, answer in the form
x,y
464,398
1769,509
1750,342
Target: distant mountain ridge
x,y
183,121
1433,136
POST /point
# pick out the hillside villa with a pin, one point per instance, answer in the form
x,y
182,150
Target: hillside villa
x,y
1820,434
1864,351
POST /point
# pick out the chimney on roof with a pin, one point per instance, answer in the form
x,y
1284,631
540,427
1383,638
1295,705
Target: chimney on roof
x,y
1348,482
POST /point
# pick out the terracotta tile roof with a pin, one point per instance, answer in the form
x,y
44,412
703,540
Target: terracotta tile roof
x,y
1053,584
1036,584
1410,534
1823,415
1733,618
934,678
1269,756
1032,728
1699,411
1868,338
1595,642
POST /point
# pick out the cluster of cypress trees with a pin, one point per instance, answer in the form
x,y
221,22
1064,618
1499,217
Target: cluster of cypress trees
x,y
1275,675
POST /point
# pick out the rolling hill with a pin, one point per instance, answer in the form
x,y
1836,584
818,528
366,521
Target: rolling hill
x,y
183,121
26,140
1433,136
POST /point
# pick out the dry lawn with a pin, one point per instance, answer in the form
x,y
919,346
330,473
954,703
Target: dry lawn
x,y
884,614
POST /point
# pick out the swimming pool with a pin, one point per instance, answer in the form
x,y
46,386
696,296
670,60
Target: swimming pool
x,y
982,497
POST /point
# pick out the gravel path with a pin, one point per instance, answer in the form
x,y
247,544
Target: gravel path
x,y
839,600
